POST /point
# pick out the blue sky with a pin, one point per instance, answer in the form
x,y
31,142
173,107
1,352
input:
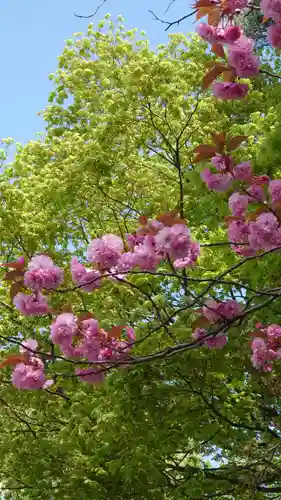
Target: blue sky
x,y
32,36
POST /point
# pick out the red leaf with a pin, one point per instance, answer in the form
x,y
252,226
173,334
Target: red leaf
x,y
116,331
170,218
217,70
202,12
85,315
200,322
234,142
214,17
230,218
13,360
217,49
219,140
13,275
205,149
143,220
203,3
16,264
228,75
16,287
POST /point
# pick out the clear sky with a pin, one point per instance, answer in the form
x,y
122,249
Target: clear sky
x,y
32,35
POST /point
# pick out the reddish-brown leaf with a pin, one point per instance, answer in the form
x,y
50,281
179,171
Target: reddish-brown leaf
x,y
203,3
260,180
219,140
200,322
143,220
230,218
217,70
214,17
217,49
13,360
15,288
13,275
115,331
170,218
257,333
228,75
16,264
205,148
85,315
234,142
202,12
265,20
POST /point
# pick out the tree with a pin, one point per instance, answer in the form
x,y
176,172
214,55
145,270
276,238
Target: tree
x,y
122,126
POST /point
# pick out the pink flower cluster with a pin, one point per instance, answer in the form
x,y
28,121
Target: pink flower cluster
x,y
151,244
266,347
215,311
41,274
211,341
272,9
248,235
242,62
84,339
30,375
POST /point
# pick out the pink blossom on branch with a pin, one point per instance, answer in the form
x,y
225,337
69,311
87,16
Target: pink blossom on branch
x,y
244,62
238,204
274,35
217,311
230,90
217,182
105,251
211,341
222,163
243,172
271,9
42,273
29,376
274,189
31,305
87,279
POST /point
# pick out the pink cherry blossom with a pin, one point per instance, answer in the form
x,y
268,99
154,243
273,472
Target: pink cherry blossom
x,y
126,262
243,171
42,273
265,232
256,193
222,163
191,257
145,255
274,189
238,204
105,251
210,341
93,376
29,376
210,33
87,279
90,345
230,90
215,311
217,182
244,62
274,35
173,241
216,341
274,336
64,329
271,9
233,5
232,34
28,346
31,305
